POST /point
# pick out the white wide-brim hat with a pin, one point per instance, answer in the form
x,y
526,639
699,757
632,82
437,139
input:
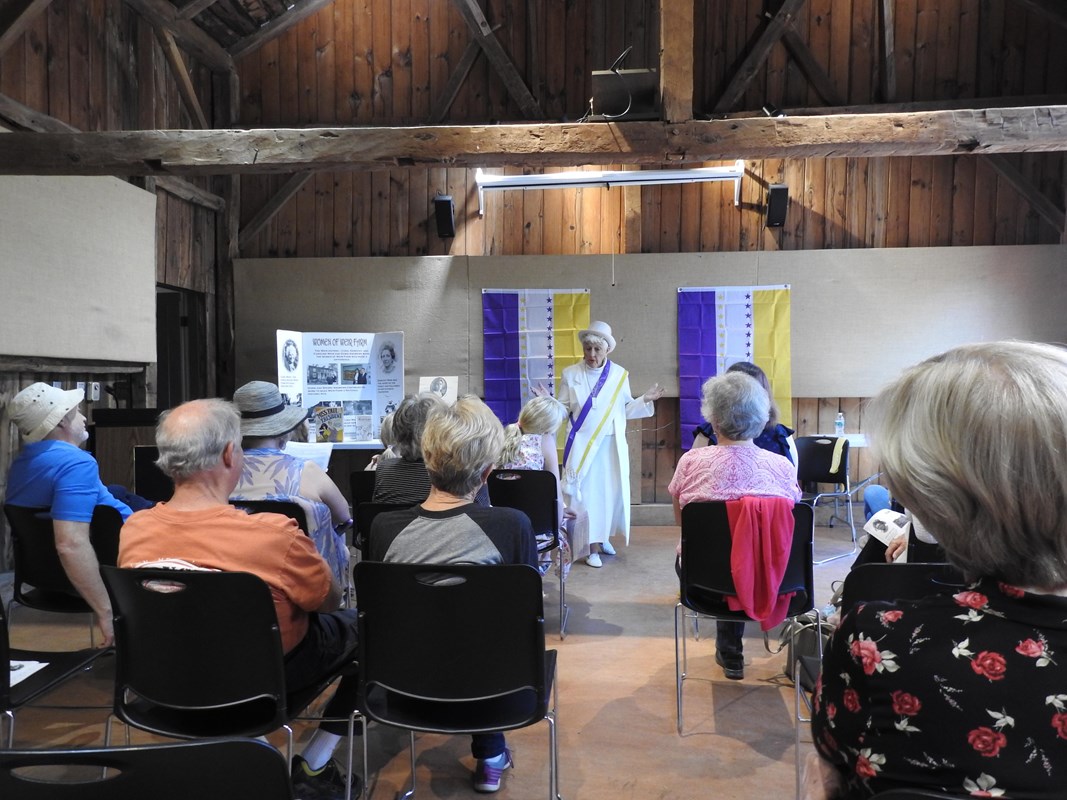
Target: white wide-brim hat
x,y
264,412
601,329
38,408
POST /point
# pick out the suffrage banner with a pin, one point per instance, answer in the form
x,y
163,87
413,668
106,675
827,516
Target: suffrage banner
x,y
529,336
719,326
349,381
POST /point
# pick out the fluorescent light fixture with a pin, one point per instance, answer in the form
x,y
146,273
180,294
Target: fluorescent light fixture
x,y
609,178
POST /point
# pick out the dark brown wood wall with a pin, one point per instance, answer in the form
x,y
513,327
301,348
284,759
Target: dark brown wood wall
x,y
397,68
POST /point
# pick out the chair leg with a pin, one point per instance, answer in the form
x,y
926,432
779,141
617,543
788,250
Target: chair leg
x,y
564,609
852,527
553,744
680,659
10,715
411,749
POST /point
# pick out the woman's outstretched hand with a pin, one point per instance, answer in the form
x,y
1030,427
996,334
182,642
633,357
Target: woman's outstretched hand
x,y
654,393
541,390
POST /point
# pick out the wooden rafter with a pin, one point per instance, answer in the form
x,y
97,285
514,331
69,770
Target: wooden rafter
x,y
20,116
502,63
190,10
774,31
273,206
15,17
1044,207
816,75
181,75
958,132
277,26
889,56
162,14
455,80
676,60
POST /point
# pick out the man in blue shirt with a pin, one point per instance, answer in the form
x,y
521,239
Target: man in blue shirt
x,y
52,470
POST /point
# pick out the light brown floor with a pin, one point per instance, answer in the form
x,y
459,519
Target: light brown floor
x,y
616,693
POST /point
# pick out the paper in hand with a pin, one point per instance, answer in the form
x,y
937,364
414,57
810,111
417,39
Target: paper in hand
x,y
887,525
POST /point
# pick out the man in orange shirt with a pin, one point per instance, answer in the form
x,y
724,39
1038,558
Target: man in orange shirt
x,y
200,449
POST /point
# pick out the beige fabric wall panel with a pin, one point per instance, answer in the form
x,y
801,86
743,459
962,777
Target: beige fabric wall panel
x,y
858,316
79,276
426,298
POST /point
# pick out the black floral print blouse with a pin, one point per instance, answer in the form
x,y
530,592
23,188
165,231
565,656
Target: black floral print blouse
x,y
963,693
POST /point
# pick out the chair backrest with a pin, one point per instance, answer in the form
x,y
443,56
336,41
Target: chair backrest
x,y
914,794
870,582
706,544
205,645
470,632
361,486
531,491
365,514
149,480
815,459
174,771
34,543
287,508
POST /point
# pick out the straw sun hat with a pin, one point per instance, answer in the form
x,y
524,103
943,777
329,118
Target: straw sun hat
x,y
38,408
264,412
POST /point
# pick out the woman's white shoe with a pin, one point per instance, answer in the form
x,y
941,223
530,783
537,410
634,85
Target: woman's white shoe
x,y
593,560
606,548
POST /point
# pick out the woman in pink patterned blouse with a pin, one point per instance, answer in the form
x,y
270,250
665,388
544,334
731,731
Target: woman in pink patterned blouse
x,y
738,408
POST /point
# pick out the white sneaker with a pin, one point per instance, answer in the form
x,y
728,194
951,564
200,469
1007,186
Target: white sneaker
x,y
606,548
593,560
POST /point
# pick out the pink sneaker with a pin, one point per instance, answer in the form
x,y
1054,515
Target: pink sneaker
x,y
487,777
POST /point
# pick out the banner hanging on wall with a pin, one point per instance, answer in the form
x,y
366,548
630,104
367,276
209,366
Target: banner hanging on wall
x,y
529,336
349,381
721,325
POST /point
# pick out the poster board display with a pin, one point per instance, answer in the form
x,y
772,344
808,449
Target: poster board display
x,y
349,381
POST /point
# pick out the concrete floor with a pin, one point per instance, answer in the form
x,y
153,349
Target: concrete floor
x,y
616,692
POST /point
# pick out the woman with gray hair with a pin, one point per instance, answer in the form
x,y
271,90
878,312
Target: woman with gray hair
x,y
737,407
403,480
462,444
596,458
962,693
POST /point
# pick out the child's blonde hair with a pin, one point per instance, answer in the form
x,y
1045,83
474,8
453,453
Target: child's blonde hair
x,y
540,415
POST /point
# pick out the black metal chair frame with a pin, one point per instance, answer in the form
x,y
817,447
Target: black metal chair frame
x,y
37,562
533,492
706,581
60,666
287,508
174,771
365,514
480,682
910,581
199,655
814,466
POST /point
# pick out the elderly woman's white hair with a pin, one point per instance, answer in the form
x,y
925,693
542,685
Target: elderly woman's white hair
x,y
974,443
409,420
459,443
736,405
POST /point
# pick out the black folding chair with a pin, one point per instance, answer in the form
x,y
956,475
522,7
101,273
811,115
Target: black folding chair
x,y
472,657
199,655
533,492
287,508
16,691
365,514
824,460
706,582
911,581
41,582
177,771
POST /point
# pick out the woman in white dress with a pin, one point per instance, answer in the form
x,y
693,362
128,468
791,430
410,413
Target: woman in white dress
x,y
596,461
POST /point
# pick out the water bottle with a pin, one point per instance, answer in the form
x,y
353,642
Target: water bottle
x,y
839,424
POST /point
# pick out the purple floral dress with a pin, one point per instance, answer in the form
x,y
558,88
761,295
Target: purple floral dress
x,y
961,693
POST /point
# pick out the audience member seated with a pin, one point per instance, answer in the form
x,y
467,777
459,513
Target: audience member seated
x,y
737,407
461,445
961,693
388,442
403,480
200,449
267,424
531,444
51,470
876,501
775,437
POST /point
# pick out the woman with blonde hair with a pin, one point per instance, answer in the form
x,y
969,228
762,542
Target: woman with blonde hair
x,y
531,444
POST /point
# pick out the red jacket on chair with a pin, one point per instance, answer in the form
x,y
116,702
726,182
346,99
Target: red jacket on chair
x,y
761,530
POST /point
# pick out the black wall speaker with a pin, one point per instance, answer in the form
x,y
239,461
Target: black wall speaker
x,y
444,212
777,203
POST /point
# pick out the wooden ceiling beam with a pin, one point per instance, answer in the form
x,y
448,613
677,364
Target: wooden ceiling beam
x,y
1043,206
180,73
190,10
162,14
958,132
15,17
277,26
677,60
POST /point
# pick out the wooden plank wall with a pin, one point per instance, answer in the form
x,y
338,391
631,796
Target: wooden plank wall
x,y
364,63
